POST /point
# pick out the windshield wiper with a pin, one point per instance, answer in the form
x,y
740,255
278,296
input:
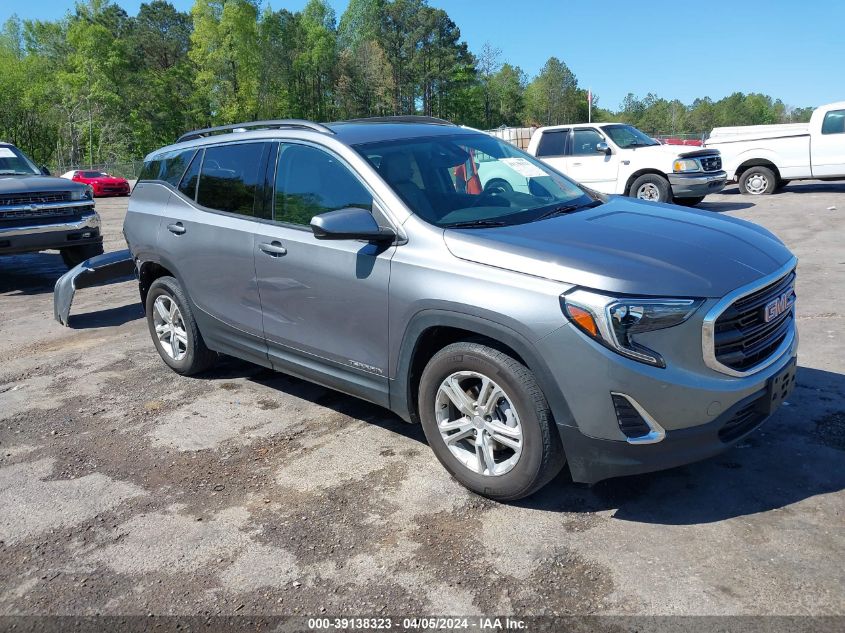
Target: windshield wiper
x,y
568,208
468,224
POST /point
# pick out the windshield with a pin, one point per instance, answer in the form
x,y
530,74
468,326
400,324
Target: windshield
x,y
94,174
13,162
468,180
626,136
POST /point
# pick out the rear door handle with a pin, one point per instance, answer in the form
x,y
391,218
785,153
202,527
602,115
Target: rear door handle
x,y
576,164
273,249
177,228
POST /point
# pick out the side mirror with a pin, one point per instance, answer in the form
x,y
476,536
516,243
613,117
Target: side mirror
x,y
603,148
45,171
351,223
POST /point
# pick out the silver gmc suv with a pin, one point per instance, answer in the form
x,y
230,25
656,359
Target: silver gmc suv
x,y
39,213
526,327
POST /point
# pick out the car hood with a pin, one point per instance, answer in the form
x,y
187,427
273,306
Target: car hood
x,y
674,151
107,180
28,184
630,246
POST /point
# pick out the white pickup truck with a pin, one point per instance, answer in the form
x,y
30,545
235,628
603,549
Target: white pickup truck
x,y
619,158
762,158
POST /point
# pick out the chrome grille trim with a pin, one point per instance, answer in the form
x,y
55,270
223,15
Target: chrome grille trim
x,y
36,197
708,329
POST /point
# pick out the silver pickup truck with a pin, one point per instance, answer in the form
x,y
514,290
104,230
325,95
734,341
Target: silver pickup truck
x,y
39,212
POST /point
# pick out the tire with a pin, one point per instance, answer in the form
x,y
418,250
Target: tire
x,y
758,181
781,184
75,255
516,404
689,202
190,355
651,187
497,185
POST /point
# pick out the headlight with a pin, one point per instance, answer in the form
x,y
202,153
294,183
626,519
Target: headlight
x,y
87,193
686,164
613,322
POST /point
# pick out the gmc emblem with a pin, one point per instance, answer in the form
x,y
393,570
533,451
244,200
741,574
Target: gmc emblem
x,y
778,306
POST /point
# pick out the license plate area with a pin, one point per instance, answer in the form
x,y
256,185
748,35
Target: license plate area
x,y
779,387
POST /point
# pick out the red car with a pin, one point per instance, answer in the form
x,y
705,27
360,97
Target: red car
x,y
103,184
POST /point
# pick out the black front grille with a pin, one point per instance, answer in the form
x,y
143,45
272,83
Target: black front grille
x,y
742,336
743,421
630,421
711,163
38,197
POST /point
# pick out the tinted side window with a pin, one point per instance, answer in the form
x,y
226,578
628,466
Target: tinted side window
x,y
310,181
553,143
834,122
188,185
151,169
584,142
230,176
173,166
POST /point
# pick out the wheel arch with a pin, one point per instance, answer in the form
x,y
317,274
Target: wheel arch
x,y
148,272
431,330
756,162
642,172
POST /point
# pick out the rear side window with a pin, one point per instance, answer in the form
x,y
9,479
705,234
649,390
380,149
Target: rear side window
x,y
553,143
230,177
174,166
188,185
151,169
168,167
834,122
310,181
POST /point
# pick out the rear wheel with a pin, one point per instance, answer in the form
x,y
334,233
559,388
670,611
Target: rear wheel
x,y
488,422
651,187
689,202
174,330
757,181
75,255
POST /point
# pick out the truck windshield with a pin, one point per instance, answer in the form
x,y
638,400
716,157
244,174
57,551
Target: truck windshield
x,y
15,162
626,136
472,180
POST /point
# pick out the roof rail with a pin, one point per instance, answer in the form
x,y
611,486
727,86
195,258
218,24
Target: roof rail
x,y
405,118
266,125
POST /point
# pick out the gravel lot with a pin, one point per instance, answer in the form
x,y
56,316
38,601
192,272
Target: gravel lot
x,y
126,489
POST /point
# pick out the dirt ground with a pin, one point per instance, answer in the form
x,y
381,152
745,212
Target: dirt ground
x,y
126,489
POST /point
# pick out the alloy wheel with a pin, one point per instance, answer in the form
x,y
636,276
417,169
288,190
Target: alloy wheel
x,y
170,327
479,423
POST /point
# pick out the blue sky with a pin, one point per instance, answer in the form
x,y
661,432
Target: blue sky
x,y
674,49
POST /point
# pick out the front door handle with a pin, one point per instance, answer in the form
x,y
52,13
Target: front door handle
x,y
177,229
576,164
273,249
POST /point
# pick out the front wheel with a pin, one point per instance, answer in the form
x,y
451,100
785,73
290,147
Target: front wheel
x,y
75,255
689,202
651,187
757,181
488,422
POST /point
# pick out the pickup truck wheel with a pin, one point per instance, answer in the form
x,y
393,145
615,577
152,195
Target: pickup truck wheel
x,y
757,181
497,185
651,187
174,331
689,202
487,421
75,255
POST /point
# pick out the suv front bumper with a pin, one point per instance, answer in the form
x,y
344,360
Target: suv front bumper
x,y
699,184
41,237
699,414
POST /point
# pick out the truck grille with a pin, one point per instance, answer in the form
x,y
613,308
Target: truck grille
x,y
34,198
711,163
743,337
24,213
